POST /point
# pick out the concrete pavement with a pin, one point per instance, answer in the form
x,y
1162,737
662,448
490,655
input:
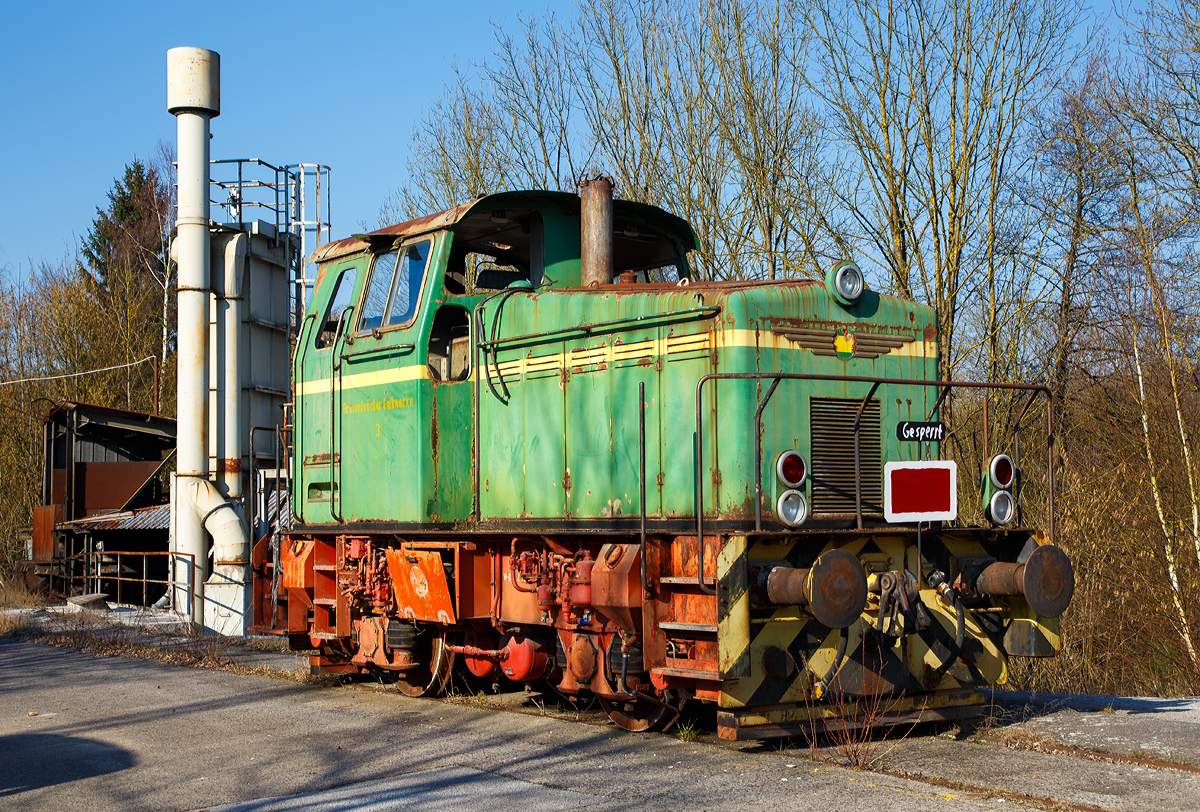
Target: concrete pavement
x,y
114,734
133,734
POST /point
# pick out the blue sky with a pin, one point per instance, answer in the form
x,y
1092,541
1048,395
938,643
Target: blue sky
x,y
83,90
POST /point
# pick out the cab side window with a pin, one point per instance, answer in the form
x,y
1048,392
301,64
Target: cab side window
x,y
338,302
394,288
407,289
492,249
375,297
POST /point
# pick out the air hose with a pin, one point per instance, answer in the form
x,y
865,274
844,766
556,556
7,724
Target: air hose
x,y
938,581
823,683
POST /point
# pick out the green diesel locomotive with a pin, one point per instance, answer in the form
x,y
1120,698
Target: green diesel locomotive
x,y
526,439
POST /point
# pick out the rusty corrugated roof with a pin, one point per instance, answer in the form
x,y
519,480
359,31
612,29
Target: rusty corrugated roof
x,y
155,517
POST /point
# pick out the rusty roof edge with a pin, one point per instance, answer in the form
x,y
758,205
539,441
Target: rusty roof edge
x,y
444,219
411,228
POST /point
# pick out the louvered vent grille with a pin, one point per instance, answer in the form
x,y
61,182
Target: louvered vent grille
x,y
831,421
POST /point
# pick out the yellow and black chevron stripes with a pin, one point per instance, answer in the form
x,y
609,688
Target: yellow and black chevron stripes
x,y
773,655
733,610
786,632
1030,635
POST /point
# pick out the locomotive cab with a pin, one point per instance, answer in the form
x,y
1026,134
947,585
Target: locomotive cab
x,y
388,335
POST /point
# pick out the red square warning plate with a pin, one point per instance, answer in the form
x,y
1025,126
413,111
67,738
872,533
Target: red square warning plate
x,y
920,491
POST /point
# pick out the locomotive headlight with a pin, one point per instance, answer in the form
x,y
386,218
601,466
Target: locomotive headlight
x,y
846,282
849,281
791,469
792,508
1002,471
1002,508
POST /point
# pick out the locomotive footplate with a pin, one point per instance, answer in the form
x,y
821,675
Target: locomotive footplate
x,y
766,722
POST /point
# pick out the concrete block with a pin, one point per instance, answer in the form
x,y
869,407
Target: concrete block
x,y
227,601
96,602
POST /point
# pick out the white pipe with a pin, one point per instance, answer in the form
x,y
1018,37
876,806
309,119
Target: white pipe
x,y
193,96
221,519
229,388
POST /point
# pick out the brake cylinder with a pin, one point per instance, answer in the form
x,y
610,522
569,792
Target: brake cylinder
x,y
581,581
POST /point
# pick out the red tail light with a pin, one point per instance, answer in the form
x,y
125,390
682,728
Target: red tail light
x,y
791,469
1002,471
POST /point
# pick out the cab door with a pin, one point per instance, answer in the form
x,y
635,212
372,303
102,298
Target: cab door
x,y
382,395
316,370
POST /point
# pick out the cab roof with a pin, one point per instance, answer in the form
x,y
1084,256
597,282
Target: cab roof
x,y
652,215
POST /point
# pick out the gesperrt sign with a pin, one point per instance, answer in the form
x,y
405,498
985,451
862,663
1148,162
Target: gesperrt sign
x,y
908,430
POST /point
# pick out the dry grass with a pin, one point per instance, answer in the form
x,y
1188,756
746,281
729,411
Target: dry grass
x,y
13,624
15,595
92,633
478,700
857,734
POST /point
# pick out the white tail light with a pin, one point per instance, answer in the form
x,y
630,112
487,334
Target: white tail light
x,y
792,508
1002,508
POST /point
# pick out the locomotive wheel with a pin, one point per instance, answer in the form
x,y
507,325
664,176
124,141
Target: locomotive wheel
x,y
642,714
430,677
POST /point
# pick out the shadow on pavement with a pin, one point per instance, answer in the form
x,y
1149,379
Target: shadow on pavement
x,y
36,760
1039,704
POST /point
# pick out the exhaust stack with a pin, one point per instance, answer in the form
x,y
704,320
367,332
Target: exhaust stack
x,y
194,98
596,232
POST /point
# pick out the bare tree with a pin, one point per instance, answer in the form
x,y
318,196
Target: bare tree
x,y
455,155
770,133
700,113
1074,191
931,100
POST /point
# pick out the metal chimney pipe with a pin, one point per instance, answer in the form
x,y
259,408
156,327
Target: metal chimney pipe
x,y
229,371
193,97
596,232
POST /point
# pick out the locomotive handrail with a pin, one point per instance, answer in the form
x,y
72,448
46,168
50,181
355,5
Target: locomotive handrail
x,y
335,367
776,377
588,328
